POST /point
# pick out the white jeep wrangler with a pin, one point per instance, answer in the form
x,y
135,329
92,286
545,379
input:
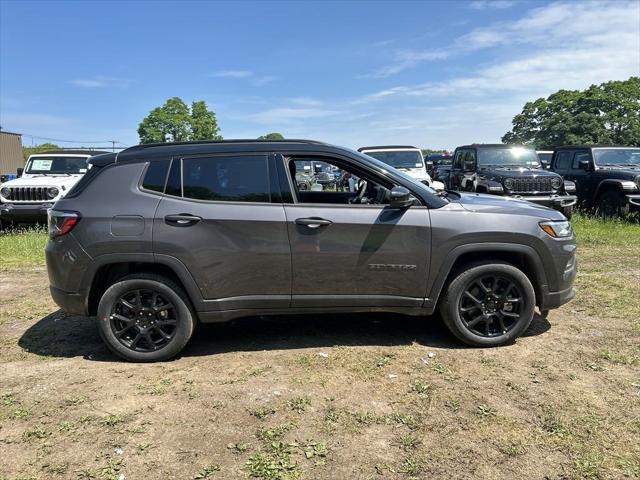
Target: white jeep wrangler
x,y
405,158
47,177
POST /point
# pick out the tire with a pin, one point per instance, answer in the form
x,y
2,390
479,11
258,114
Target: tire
x,y
499,327
612,204
568,212
153,331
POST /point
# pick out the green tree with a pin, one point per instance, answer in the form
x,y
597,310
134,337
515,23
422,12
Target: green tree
x,y
204,125
175,122
608,113
271,136
43,147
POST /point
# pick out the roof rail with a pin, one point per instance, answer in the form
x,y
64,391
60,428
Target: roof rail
x,y
144,146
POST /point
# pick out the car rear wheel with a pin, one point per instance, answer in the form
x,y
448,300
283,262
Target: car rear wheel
x,y
488,304
145,318
613,204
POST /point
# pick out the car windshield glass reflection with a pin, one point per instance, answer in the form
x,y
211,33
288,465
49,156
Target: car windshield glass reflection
x,y
408,159
508,157
617,156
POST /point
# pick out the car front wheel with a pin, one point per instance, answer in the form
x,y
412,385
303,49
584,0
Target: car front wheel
x,y
488,305
145,318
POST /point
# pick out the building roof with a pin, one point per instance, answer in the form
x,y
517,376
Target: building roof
x,y
10,133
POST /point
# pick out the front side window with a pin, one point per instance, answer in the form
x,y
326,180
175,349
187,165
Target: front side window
x,y
56,165
242,178
580,156
323,182
508,157
617,156
563,161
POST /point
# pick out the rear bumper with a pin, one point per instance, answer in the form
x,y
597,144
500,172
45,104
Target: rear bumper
x,y
73,303
554,201
16,212
633,199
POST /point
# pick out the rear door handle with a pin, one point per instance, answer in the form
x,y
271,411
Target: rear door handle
x,y
313,222
182,220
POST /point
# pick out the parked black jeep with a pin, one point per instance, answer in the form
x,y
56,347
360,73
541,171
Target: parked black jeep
x,y
510,170
606,178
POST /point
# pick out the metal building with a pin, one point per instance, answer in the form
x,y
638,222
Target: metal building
x,y
10,152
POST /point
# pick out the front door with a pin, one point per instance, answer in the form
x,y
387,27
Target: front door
x,y
218,220
350,249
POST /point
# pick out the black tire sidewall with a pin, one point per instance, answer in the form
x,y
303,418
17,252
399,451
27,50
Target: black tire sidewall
x,y
184,329
616,202
458,285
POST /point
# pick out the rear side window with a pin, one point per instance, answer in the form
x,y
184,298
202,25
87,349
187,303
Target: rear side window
x,y
242,178
155,176
563,161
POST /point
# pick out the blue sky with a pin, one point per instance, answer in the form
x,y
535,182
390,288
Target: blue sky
x,y
434,74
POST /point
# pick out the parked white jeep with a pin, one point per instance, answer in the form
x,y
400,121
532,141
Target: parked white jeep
x,y
47,177
405,158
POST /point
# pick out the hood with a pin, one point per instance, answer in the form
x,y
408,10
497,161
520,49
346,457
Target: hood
x,y
478,202
418,173
622,171
515,172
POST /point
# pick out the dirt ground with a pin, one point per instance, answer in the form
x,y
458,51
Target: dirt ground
x,y
337,397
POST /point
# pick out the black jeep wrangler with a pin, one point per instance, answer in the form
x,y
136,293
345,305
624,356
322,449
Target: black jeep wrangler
x,y
510,170
606,178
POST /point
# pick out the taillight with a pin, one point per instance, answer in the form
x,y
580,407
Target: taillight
x,y
61,222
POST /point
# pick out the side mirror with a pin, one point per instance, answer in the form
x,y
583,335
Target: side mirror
x,y
400,198
584,165
545,164
19,171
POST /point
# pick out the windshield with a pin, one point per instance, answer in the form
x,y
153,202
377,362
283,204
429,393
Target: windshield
x,y
511,157
399,158
545,157
617,156
59,165
417,184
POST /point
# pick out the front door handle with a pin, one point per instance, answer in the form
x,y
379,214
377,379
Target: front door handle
x,y
313,222
182,220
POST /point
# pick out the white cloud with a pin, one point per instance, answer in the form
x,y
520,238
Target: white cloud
x,y
491,4
252,77
286,115
100,81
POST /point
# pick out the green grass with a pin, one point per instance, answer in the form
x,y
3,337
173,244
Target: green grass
x,y
592,230
22,248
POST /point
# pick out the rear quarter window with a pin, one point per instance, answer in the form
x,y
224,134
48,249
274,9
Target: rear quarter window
x,y
156,175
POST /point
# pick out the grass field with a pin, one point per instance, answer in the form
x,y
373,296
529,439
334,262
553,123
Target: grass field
x,y
329,397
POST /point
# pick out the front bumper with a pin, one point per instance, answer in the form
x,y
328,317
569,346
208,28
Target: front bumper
x,y
554,201
633,199
31,212
551,300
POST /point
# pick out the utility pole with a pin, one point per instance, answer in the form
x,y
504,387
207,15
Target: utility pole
x,y
113,145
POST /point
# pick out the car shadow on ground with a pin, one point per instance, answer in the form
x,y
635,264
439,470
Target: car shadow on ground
x,y
62,335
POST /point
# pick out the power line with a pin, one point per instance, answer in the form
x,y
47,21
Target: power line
x,y
71,141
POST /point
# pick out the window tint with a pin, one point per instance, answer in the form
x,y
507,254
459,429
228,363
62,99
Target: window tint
x,y
234,179
578,157
563,161
173,182
156,175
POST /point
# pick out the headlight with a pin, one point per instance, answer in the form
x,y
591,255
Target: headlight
x,y
556,182
559,229
6,192
508,183
52,192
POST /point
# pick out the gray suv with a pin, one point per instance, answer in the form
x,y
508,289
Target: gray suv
x,y
158,237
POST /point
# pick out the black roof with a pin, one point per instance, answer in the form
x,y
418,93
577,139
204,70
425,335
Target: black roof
x,y
71,151
376,147
564,147
493,145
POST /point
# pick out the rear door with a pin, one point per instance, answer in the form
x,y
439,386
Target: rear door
x,y
218,217
355,255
